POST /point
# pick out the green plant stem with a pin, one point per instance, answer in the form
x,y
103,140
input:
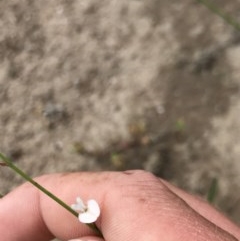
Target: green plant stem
x,y
212,193
1,196
227,18
45,191
37,185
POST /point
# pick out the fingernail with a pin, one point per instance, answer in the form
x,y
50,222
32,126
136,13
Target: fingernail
x,y
76,240
81,239
87,239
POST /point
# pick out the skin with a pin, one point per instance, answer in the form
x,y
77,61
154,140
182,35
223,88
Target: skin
x,y
135,205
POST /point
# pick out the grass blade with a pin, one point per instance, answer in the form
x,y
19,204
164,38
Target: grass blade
x,y
219,12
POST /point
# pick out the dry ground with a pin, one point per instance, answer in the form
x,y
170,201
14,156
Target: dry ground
x,y
114,85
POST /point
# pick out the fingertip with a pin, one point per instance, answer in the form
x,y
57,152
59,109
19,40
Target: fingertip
x,y
87,238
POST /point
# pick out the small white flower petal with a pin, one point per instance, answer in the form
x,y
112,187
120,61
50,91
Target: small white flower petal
x,y
89,213
93,207
79,206
87,217
74,207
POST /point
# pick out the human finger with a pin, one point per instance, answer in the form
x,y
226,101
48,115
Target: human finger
x,y
206,210
134,205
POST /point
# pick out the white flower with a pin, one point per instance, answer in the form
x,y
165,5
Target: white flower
x,y
87,213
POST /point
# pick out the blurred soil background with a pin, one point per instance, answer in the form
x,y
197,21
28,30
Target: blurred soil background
x,y
89,85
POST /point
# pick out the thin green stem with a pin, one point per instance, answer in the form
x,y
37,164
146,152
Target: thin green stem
x,y
37,185
226,17
212,193
10,164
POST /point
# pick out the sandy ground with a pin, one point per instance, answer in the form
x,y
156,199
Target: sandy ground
x,y
115,85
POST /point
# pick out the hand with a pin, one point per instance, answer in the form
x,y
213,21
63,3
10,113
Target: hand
x,y
135,205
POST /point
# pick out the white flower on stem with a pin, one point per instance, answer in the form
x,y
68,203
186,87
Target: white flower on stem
x,y
87,213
